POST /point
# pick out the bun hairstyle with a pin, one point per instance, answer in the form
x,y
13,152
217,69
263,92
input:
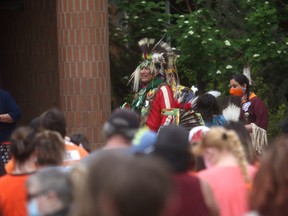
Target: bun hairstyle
x,y
21,147
223,139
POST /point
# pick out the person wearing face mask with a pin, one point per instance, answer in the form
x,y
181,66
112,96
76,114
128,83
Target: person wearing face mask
x,y
154,97
253,109
49,192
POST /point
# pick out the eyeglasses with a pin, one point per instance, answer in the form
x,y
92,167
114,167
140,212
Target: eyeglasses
x,y
32,196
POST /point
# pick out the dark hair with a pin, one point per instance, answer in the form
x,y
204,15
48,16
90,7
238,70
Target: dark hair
x,y
78,138
22,147
50,148
53,120
132,185
35,123
172,146
207,106
269,194
245,139
121,122
242,79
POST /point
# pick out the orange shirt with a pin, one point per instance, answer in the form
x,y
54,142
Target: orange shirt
x,y
13,195
73,155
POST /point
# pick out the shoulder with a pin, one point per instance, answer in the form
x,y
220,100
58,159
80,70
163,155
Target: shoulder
x,y
206,173
165,88
256,99
213,173
4,93
73,147
221,120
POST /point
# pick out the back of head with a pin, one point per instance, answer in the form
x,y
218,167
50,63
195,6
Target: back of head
x,y
207,106
126,186
220,138
245,139
224,141
53,120
196,134
269,194
143,142
52,179
80,140
35,123
173,146
122,122
50,148
21,147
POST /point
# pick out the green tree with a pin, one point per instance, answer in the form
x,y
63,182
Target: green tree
x,y
217,38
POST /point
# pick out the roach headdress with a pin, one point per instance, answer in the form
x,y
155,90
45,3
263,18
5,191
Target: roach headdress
x,y
155,57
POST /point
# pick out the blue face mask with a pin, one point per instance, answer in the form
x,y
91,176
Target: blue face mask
x,y
33,208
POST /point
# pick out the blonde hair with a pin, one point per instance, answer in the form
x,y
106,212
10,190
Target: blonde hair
x,y
223,139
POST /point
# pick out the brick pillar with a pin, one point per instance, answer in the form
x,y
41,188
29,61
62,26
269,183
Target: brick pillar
x,y
84,66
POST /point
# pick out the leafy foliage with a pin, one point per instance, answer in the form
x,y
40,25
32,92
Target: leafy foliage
x,y
216,38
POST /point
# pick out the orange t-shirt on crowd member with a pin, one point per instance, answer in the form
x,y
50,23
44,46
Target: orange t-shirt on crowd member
x,y
73,155
13,195
10,166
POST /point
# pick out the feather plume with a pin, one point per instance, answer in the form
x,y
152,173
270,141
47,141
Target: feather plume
x,y
231,112
247,73
135,76
146,46
214,93
190,119
161,47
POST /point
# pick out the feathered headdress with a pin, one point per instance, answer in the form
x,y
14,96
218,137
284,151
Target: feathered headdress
x,y
172,73
154,57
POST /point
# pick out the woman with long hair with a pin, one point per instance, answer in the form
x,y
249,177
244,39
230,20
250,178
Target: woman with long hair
x,y
208,107
253,109
269,195
228,172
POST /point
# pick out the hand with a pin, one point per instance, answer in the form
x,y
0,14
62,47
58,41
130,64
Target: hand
x,y
249,128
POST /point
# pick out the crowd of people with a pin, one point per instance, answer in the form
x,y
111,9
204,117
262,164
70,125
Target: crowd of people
x,y
170,153
140,172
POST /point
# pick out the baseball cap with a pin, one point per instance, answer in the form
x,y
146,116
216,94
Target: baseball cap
x,y
172,138
124,118
196,133
144,141
122,121
173,146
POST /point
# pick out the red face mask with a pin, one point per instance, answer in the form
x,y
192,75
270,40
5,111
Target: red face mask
x,y
236,91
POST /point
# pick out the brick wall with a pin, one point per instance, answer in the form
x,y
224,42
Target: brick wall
x,y
84,66
29,56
